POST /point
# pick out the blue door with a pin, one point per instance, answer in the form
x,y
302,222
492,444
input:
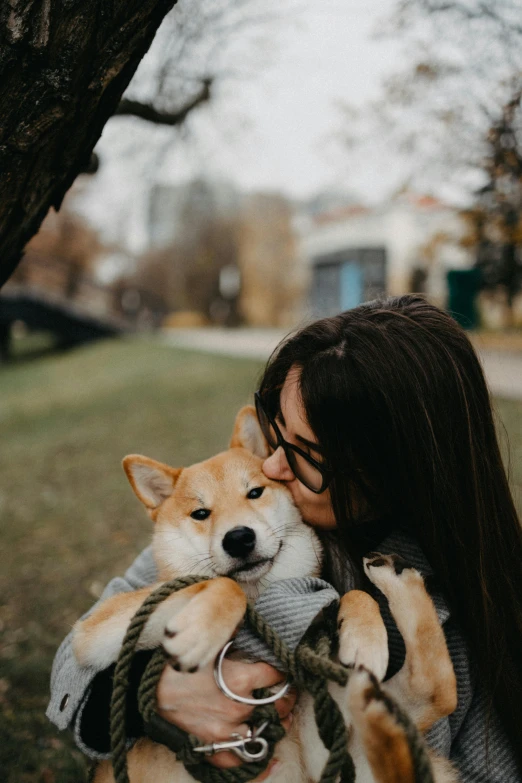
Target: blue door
x,y
351,293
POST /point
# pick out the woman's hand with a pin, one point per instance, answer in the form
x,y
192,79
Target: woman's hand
x,y
194,703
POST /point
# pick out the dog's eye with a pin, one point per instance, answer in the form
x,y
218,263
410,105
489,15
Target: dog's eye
x,y
255,493
200,514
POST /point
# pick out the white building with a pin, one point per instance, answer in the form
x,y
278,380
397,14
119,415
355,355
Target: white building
x,y
356,253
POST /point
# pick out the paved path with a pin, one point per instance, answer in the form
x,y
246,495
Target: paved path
x,y
503,368
503,372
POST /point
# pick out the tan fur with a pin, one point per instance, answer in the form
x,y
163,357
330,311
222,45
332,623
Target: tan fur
x,y
362,634
384,741
194,609
426,685
194,624
385,746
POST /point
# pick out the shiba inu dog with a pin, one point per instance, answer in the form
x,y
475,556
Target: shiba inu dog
x,y
224,518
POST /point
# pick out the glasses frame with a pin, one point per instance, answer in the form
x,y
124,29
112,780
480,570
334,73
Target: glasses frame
x,y
289,449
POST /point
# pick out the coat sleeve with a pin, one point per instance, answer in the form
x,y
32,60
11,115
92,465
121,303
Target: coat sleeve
x,y
72,684
472,737
481,751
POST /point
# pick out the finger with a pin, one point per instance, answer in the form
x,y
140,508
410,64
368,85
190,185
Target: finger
x,y
286,703
245,679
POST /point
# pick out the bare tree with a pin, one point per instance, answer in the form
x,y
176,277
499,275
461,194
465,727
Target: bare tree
x,y
454,113
216,231
497,215
64,251
191,53
185,271
63,71
463,65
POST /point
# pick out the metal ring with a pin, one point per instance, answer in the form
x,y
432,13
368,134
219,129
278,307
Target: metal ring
x,y
223,687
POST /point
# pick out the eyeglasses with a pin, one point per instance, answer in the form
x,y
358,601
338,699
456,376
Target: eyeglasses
x,y
313,474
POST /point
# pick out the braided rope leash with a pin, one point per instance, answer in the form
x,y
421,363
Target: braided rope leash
x,y
198,768
310,669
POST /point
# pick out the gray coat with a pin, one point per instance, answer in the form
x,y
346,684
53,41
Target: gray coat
x,y
460,737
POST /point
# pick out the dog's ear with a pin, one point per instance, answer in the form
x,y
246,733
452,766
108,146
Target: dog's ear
x,y
247,433
152,481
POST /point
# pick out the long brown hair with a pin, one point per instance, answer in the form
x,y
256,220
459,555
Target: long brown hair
x,y
396,396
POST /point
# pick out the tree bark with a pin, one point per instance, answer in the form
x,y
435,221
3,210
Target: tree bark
x,y
64,65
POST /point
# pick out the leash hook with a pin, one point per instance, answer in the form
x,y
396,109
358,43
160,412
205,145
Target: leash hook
x,y
240,745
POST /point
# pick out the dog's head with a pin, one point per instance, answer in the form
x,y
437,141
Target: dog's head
x,y
224,517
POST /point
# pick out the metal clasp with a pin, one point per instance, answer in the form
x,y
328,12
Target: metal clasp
x,y
250,748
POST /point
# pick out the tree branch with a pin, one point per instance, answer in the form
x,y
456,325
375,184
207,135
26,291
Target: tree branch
x,y
484,10
146,111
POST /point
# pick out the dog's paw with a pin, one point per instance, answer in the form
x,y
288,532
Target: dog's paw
x,y
193,636
363,639
191,646
391,573
189,649
355,652
370,703
363,689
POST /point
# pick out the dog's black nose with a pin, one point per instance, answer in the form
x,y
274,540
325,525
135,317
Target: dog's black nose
x,y
239,541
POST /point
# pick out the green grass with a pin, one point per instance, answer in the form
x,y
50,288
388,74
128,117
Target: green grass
x,y
69,519
508,415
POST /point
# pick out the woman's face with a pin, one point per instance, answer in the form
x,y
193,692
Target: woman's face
x,y
315,509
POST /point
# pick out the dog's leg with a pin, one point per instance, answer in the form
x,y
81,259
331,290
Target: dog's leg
x,y
362,634
424,689
425,685
194,636
377,732
362,640
193,624
380,733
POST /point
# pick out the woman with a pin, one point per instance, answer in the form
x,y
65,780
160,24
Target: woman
x,y
380,425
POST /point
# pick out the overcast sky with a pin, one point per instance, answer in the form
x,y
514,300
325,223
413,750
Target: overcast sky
x,y
276,131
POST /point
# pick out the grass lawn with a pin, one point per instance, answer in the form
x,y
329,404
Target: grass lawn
x,y
69,519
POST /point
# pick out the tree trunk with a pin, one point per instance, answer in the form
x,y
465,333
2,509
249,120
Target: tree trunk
x,y
64,65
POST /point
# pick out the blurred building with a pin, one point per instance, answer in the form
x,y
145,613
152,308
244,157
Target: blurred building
x,y
356,253
274,279
171,206
260,255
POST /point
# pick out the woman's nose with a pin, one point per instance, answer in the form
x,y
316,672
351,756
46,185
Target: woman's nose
x,y
276,466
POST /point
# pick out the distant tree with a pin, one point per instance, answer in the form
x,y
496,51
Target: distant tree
x,y
64,252
454,112
190,55
186,272
497,216
217,232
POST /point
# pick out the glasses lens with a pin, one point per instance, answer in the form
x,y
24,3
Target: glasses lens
x,y
266,426
304,470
